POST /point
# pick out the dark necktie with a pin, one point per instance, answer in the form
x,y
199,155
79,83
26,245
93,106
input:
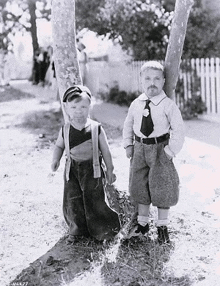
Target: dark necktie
x,y
147,125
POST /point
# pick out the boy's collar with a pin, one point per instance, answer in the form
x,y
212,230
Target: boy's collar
x,y
155,99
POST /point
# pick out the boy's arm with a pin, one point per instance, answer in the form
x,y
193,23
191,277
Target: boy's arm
x,y
128,132
104,147
58,152
177,131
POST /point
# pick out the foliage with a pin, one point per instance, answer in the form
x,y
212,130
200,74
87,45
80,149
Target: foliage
x,y
141,27
5,42
118,96
87,12
203,32
190,106
21,15
203,35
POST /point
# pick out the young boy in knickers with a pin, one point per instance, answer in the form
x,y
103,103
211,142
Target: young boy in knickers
x,y
153,134
84,207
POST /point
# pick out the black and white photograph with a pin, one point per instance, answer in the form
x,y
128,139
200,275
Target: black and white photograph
x,y
109,143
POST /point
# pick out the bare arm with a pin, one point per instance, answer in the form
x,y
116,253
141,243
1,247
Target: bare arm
x,y
177,131
104,147
128,133
58,152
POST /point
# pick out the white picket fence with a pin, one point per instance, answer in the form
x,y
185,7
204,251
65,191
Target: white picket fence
x,y
197,76
207,72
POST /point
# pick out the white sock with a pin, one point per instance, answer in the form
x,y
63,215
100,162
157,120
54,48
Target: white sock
x,y
142,220
162,222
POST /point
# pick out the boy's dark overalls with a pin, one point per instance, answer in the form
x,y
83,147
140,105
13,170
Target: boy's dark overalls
x,y
84,206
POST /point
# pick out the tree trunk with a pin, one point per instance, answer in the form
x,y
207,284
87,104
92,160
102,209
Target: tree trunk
x,y
64,46
33,29
175,45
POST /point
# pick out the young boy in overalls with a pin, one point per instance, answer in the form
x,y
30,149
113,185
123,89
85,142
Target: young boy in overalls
x,y
84,207
153,134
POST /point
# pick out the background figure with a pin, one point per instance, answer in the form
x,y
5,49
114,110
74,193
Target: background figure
x,y
36,68
44,62
50,78
82,56
50,69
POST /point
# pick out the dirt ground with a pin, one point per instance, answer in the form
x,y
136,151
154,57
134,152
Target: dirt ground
x,y
33,233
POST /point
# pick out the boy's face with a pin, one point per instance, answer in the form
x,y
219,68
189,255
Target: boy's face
x,y
152,81
78,110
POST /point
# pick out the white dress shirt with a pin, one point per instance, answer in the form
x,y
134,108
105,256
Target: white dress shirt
x,y
166,117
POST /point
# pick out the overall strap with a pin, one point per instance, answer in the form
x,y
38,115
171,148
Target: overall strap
x,y
95,148
66,130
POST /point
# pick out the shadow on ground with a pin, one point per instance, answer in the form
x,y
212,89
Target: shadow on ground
x,y
60,264
138,263
44,123
121,262
8,93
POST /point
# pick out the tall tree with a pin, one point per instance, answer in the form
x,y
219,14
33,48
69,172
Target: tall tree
x,y
33,25
175,46
64,45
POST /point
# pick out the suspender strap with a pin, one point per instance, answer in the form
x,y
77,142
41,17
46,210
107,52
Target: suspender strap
x,y
67,149
95,148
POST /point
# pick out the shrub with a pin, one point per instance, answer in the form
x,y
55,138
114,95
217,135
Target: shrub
x,y
121,97
192,107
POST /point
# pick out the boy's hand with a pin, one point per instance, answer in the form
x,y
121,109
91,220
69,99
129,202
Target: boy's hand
x,y
168,156
55,165
110,177
129,151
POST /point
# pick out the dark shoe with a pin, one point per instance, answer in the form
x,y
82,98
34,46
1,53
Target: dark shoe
x,y
142,229
163,236
137,230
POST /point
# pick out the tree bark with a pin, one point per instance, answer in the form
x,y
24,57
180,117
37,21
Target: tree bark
x,y
33,29
64,46
175,45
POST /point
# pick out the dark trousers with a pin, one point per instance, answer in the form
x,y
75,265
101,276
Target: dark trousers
x,y
84,206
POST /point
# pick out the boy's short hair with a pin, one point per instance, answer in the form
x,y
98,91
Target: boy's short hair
x,y
152,65
76,91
